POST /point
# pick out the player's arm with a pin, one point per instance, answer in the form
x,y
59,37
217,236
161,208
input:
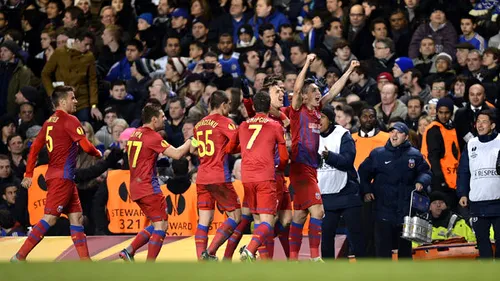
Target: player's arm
x,y
282,150
89,148
339,85
233,146
179,152
299,83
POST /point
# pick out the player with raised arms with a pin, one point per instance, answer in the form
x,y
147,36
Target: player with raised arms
x,y
305,116
143,148
62,134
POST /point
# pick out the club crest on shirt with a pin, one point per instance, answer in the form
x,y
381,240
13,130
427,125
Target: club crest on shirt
x,y
60,209
318,196
80,131
231,126
411,163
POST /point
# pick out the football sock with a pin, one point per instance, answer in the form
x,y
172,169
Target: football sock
x,y
295,240
140,239
314,236
235,238
155,244
201,239
223,233
80,241
259,236
35,236
283,233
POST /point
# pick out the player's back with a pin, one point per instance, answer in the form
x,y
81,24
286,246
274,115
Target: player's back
x,y
259,137
62,133
143,148
304,126
213,134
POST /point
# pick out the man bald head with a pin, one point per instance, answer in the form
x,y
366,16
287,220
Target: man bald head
x,y
476,95
357,15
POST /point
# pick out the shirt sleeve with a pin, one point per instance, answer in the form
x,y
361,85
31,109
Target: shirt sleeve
x,y
228,129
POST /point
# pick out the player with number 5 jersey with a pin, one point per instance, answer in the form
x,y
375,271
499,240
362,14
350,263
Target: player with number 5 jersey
x,y
62,134
213,183
143,148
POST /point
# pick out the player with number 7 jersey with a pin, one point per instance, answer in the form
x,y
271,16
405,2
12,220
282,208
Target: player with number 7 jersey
x,y
213,182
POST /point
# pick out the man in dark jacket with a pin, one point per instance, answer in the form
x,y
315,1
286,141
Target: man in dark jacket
x,y
338,183
388,176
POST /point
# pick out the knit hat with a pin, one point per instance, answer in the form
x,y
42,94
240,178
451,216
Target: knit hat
x,y
6,120
329,113
447,102
12,46
29,93
246,28
385,75
33,131
148,17
333,69
444,56
180,64
322,55
438,195
125,135
404,63
400,127
200,20
145,66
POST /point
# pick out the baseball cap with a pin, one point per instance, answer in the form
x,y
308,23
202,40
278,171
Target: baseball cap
x,y
385,75
180,12
200,20
401,127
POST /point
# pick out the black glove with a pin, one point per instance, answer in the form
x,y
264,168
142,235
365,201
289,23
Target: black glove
x,y
115,155
245,88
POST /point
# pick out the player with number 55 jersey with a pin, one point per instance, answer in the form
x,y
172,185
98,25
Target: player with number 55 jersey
x,y
213,183
143,148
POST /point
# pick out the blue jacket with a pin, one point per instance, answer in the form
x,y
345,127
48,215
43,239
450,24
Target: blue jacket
x,y
487,208
350,195
120,70
276,19
390,173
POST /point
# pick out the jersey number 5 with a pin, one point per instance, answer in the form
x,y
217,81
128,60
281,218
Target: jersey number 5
x,y
206,147
48,139
138,146
256,132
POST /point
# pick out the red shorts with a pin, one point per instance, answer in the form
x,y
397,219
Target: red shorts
x,y
223,193
304,180
260,197
282,193
154,207
62,197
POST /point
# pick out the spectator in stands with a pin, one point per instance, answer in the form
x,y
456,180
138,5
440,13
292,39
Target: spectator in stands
x,y
16,157
104,134
179,27
401,65
8,226
26,118
162,20
172,50
55,9
491,59
73,18
363,85
401,33
414,86
465,117
474,65
390,106
4,24
343,55
457,91
30,22
122,101
378,28
76,67
48,45
344,117
112,51
443,70
121,69
423,123
228,58
469,34
200,30
439,89
440,146
415,108
13,75
200,9
266,13
442,31
298,54
383,60
495,40
463,50
8,127
425,62
85,6
173,126
357,33
333,33
117,127
200,110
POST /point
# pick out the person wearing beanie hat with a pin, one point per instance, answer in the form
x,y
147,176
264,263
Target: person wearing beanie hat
x,y
245,36
401,65
144,21
441,148
27,94
388,176
337,181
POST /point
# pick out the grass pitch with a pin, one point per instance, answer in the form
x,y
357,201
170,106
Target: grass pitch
x,y
303,271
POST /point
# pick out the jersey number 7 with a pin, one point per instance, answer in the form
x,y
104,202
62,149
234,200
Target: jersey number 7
x,y
256,132
206,146
138,146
